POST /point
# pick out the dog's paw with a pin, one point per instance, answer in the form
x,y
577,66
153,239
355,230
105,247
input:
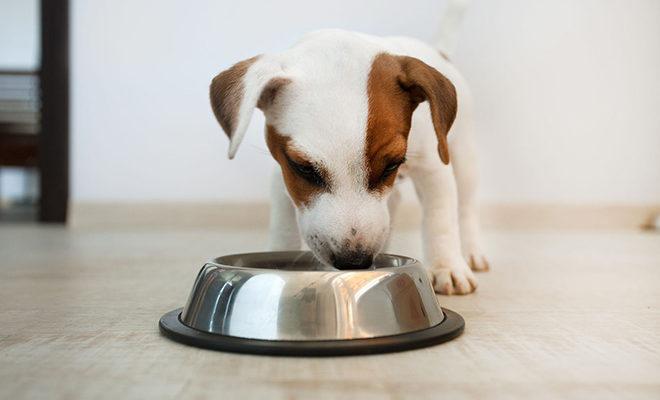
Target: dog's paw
x,y
459,280
477,262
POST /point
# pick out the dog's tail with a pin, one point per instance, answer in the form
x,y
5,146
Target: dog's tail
x,y
450,22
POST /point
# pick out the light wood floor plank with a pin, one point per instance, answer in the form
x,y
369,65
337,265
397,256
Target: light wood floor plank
x,y
561,315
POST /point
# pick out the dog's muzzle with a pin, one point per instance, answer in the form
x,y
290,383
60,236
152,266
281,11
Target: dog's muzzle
x,y
353,260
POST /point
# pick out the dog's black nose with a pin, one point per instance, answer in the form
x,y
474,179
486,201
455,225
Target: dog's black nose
x,y
353,260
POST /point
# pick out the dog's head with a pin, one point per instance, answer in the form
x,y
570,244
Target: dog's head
x,y
337,122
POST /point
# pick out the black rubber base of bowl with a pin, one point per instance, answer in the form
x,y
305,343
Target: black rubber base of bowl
x,y
451,327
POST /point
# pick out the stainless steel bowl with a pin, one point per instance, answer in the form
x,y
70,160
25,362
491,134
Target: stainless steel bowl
x,y
279,301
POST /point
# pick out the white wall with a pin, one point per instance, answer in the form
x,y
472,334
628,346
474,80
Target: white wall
x,y
19,34
569,96
567,91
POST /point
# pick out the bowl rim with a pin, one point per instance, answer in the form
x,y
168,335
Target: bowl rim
x,y
449,328
409,262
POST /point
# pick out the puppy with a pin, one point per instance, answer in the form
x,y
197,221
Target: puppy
x,y
345,114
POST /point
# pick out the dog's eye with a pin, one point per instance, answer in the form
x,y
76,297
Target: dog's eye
x,y
308,173
391,168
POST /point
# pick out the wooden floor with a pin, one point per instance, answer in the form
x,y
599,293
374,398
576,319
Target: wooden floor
x,y
561,315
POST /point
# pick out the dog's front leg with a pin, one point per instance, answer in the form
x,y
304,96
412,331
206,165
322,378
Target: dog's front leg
x,y
283,231
436,189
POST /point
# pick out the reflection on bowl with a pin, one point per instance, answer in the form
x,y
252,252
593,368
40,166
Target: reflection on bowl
x,y
291,296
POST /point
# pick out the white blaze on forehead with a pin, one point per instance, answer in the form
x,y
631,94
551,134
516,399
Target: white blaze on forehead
x,y
325,108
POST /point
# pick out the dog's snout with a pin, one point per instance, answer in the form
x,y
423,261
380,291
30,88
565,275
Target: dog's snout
x,y
353,260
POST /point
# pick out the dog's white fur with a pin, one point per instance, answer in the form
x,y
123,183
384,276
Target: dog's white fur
x,y
324,112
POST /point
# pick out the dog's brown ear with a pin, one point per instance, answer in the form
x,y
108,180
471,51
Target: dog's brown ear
x,y
424,82
237,91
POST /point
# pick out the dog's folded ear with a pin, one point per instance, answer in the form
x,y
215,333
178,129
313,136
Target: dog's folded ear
x,y
425,83
237,91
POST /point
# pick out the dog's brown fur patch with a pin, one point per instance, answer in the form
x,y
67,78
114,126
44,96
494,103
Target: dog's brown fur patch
x,y
388,123
396,85
270,91
426,83
300,190
226,94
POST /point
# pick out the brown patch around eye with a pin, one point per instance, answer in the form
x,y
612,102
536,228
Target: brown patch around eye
x,y
388,124
300,189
